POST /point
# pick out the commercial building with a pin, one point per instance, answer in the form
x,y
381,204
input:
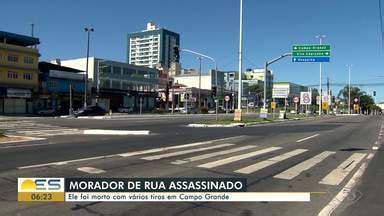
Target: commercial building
x,y
118,84
286,91
18,72
55,84
206,81
256,77
152,47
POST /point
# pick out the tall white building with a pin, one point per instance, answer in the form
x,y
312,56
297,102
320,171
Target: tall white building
x,y
152,46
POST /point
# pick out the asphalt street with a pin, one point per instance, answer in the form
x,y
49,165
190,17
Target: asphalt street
x,y
321,156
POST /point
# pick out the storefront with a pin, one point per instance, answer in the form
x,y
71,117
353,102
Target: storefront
x,y
15,101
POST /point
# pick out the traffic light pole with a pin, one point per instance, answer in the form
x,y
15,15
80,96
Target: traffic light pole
x,y
267,63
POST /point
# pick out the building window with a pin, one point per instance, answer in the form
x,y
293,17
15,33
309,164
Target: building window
x,y
53,83
28,76
13,58
28,60
12,75
115,84
116,70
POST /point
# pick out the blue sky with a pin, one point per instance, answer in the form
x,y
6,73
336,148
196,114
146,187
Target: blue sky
x,y
271,27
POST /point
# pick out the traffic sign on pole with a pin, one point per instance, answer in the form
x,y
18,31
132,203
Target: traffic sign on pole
x,y
296,99
305,98
311,53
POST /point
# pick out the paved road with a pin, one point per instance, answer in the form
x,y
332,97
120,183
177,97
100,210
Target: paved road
x,y
321,155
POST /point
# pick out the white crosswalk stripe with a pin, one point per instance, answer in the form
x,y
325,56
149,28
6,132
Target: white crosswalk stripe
x,y
29,128
148,151
238,157
336,176
156,157
263,164
210,155
303,166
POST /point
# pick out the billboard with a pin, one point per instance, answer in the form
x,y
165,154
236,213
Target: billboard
x,y
280,92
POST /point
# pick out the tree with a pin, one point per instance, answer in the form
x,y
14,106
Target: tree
x,y
256,88
366,103
355,93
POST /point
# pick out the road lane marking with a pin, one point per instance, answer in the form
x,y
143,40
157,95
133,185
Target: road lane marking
x,y
148,151
172,154
238,157
269,162
65,162
210,155
307,138
375,148
338,199
336,176
91,170
303,166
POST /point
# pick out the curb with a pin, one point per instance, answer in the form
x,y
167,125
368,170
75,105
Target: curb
x,y
115,132
216,125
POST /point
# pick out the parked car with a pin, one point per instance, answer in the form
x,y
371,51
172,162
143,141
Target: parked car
x,y
191,110
91,111
125,110
47,112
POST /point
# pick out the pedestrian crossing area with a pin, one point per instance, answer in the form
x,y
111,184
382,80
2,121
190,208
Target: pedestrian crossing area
x,y
34,129
250,159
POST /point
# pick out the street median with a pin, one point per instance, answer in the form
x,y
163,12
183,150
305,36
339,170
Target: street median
x,y
115,132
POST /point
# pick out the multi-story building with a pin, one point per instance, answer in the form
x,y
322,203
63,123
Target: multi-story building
x,y
256,77
119,84
152,46
19,60
55,82
208,81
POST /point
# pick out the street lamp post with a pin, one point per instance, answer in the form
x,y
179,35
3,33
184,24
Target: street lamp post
x,y
88,30
214,61
320,37
240,89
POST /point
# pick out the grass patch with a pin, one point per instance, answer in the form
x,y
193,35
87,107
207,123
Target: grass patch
x,y
249,120
245,120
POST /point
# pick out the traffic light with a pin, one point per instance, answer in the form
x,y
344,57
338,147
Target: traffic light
x,y
214,91
176,54
374,93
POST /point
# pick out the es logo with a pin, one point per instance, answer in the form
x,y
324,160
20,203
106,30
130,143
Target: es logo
x,y
41,184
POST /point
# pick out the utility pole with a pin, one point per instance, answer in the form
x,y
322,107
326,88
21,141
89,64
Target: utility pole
x,y
88,30
240,89
349,89
199,94
320,37
32,29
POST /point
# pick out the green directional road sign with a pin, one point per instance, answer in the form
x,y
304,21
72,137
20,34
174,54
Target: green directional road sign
x,y
311,53
311,47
